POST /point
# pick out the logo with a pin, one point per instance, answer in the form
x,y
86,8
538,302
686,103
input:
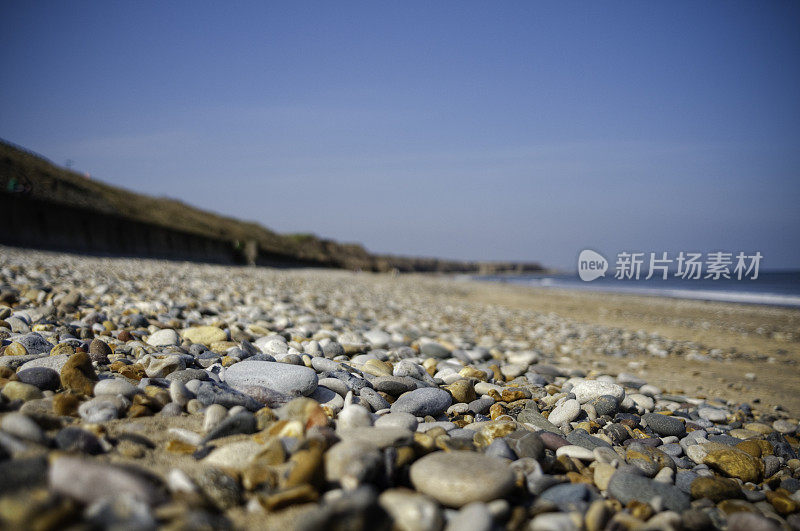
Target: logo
x,y
591,265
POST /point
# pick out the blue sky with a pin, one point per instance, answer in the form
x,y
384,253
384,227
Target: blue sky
x,y
474,130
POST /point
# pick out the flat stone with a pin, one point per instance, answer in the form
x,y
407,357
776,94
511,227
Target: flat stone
x,y
23,427
205,335
411,510
208,393
588,390
459,477
88,481
665,425
715,488
56,362
735,463
115,386
422,402
627,487
474,516
566,412
292,380
382,437
21,391
164,338
42,377
576,452
398,420
236,455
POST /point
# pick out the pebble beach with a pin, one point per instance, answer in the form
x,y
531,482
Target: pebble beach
x,y
145,394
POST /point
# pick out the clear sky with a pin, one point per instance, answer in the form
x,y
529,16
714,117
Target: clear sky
x,y
473,130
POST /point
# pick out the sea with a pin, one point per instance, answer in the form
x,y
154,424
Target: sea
x,y
774,288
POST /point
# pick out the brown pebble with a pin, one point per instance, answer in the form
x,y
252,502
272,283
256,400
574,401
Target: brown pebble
x,y
65,404
78,374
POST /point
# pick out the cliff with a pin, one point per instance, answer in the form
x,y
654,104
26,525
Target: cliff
x,y
46,206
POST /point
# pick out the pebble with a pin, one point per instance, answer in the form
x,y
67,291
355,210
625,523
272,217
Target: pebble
x,y
164,338
411,511
422,402
566,412
665,425
205,335
88,481
474,516
115,386
588,390
450,477
42,377
288,379
397,420
23,427
627,487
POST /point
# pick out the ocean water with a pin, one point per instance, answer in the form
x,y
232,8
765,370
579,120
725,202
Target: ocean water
x,y
775,288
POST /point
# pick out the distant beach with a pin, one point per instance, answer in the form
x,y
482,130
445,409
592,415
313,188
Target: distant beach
x,y
774,288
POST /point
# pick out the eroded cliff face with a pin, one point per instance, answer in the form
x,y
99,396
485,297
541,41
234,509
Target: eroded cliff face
x,y
48,207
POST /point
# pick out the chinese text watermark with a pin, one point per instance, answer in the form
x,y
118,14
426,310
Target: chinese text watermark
x,y
684,265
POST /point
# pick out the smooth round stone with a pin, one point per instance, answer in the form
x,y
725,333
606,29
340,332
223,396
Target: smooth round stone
x,y
588,390
434,350
410,510
115,386
21,391
576,452
352,461
353,416
378,338
665,425
293,380
74,439
205,335
627,487
164,338
23,427
421,402
458,478
398,420
474,516
179,394
236,455
42,377
713,414
34,343
380,437
781,425
214,414
605,405
566,412
56,363
556,522
89,481
98,410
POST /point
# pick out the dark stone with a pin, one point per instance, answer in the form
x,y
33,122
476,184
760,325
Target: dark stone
x,y
243,422
605,405
627,487
99,351
21,474
209,393
526,444
42,377
185,375
569,496
481,405
664,425
582,438
74,439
